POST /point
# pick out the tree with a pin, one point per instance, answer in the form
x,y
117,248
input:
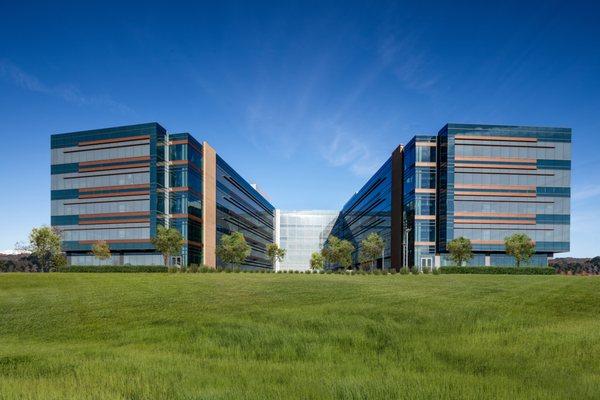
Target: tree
x,y
233,248
338,251
316,261
460,250
101,250
520,246
44,244
275,253
168,241
371,248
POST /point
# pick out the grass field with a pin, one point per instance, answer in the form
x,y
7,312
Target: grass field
x,y
273,336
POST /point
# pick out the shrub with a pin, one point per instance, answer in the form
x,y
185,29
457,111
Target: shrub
x,y
435,271
426,270
415,271
499,270
116,268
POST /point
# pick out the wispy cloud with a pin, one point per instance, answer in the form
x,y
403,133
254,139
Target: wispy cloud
x,y
408,60
348,149
586,192
11,73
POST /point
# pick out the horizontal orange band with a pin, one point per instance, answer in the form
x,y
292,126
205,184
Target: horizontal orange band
x,y
114,160
499,159
117,187
121,214
113,167
487,214
476,241
110,241
114,221
495,194
193,243
476,186
114,140
190,216
424,164
424,243
496,166
422,190
425,144
428,217
496,138
495,221
118,194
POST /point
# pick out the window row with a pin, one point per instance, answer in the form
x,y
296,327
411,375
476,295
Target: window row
x,y
558,178
117,259
62,156
560,151
534,206
106,234
59,182
60,208
550,233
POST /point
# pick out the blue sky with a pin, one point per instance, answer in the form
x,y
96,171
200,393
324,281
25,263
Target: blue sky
x,y
307,99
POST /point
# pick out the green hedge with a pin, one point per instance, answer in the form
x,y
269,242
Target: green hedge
x,y
499,270
114,268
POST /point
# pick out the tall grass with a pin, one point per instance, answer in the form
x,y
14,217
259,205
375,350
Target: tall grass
x,y
275,336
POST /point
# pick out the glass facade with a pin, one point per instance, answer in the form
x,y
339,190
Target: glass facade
x,y
240,208
483,182
419,201
368,211
501,180
302,233
119,184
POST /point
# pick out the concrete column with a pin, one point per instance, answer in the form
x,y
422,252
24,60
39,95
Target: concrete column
x,y
488,260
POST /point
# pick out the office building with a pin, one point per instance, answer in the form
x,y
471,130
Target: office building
x,y
119,184
302,233
482,182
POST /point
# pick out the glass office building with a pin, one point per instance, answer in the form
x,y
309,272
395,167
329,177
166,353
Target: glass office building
x,y
369,210
482,182
119,184
495,181
302,233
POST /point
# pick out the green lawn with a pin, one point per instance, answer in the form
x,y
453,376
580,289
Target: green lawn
x,y
275,336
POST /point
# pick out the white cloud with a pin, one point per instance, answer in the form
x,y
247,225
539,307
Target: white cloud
x,y
586,192
68,92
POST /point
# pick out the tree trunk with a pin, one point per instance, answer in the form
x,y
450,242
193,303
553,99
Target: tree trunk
x,y
166,259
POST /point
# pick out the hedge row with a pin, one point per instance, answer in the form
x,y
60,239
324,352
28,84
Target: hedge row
x,y
499,270
113,268
443,270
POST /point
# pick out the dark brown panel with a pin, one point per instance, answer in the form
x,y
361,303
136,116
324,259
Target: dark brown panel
x,y
114,140
397,205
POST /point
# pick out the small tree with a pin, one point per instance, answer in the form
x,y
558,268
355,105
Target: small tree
x,y
168,241
316,261
460,250
275,253
338,251
520,246
371,248
233,248
44,244
101,250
